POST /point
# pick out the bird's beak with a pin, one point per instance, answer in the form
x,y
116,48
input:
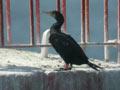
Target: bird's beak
x,y
49,13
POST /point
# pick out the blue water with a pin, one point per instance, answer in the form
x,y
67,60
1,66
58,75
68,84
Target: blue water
x,y
21,30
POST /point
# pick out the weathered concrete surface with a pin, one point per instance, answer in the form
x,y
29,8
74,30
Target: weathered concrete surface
x,y
23,70
54,80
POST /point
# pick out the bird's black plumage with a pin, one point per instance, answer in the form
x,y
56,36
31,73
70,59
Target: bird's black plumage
x,y
65,45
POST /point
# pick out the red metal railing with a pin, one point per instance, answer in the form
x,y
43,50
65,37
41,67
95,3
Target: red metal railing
x,y
84,21
119,30
1,24
85,36
58,5
31,22
106,50
64,13
8,21
87,19
38,20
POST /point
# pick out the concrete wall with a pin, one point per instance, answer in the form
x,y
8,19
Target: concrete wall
x,y
61,80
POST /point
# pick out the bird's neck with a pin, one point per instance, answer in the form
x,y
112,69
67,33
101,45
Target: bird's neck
x,y
56,27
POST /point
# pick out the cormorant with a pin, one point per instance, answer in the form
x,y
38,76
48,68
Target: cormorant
x,y
65,45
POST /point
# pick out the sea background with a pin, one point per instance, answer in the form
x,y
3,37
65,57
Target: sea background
x,y
20,25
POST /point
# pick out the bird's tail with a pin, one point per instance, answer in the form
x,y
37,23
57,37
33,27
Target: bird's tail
x,y
94,66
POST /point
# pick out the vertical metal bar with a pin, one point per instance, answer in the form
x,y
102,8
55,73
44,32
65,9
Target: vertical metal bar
x,y
1,24
58,5
87,19
106,48
119,53
31,22
38,20
119,31
83,23
64,13
8,21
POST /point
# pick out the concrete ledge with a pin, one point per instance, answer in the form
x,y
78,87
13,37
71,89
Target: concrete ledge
x,y
53,80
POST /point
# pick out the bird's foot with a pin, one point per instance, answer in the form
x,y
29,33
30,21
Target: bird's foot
x,y
65,68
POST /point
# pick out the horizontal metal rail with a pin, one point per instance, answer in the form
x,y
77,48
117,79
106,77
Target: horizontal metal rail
x,y
49,45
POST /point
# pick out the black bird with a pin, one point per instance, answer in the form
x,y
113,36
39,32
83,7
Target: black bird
x,y
65,45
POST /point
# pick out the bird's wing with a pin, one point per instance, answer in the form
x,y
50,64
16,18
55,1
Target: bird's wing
x,y
66,46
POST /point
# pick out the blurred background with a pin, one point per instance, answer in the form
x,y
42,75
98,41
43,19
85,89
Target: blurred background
x,y
20,25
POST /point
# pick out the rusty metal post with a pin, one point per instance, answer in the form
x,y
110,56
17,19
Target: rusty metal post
x,y
87,20
58,5
106,48
8,17
1,24
64,13
83,23
38,20
119,31
31,22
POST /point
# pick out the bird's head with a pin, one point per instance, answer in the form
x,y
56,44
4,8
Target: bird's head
x,y
56,15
